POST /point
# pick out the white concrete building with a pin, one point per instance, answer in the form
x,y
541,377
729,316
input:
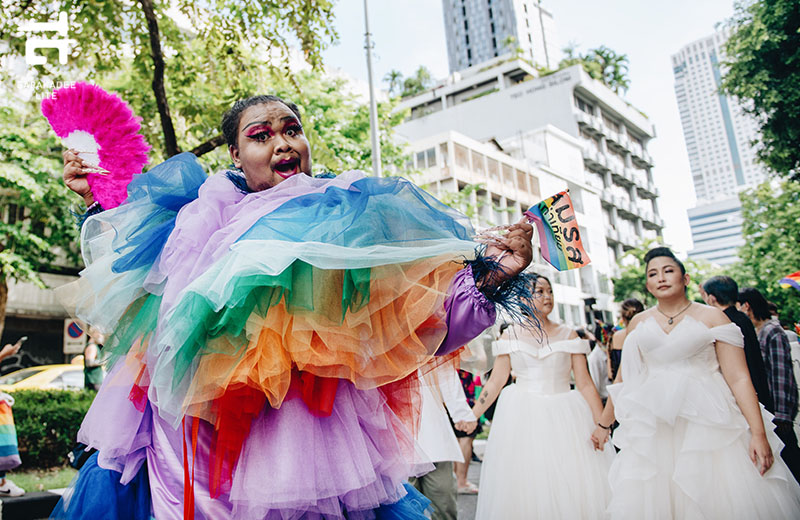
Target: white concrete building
x,y
477,30
503,101
719,137
497,188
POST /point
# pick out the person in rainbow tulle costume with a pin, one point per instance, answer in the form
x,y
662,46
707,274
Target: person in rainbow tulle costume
x,y
266,328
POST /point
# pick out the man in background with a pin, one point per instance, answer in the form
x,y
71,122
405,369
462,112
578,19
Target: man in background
x,y
722,292
776,353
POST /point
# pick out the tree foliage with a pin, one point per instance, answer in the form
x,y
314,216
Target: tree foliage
x,y
602,64
221,51
37,231
763,71
420,81
771,230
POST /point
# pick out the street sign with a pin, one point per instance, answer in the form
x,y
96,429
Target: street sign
x,y
74,337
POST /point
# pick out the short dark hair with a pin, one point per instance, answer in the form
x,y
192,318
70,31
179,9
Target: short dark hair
x,y
773,309
663,251
723,288
758,304
230,121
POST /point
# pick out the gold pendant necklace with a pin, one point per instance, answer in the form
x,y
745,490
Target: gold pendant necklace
x,y
671,319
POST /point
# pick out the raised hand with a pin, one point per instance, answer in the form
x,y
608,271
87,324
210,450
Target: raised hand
x,y
10,350
75,171
513,251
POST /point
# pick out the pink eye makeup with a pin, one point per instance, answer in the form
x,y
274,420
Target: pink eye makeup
x,y
259,130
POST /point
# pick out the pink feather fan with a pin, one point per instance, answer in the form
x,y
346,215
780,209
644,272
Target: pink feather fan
x,y
105,132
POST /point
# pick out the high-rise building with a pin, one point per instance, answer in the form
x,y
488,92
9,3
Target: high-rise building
x,y
719,137
526,138
478,30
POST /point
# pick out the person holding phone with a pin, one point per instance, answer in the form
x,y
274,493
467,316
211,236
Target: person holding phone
x,y
9,453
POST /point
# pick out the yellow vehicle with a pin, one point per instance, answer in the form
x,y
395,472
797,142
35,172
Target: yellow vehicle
x,y
63,377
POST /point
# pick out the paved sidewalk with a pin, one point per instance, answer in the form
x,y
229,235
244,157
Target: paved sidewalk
x,y
467,503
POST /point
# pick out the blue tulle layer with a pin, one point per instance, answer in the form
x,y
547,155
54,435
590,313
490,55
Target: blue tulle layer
x,y
157,196
366,213
411,507
97,493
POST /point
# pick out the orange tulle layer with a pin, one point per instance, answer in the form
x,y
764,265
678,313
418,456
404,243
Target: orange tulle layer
x,y
396,332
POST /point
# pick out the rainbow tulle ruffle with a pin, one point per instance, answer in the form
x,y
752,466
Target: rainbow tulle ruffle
x,y
215,298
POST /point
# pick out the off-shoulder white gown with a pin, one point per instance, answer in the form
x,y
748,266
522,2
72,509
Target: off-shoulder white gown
x,y
539,460
683,440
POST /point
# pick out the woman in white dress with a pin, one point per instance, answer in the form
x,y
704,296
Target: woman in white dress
x,y
692,436
540,461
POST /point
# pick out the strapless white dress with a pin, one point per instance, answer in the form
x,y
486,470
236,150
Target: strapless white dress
x,y
683,440
539,460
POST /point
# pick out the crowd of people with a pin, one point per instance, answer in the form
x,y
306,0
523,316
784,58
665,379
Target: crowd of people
x,y
263,318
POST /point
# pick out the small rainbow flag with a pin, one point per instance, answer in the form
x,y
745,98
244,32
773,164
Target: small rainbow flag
x,y
793,280
559,235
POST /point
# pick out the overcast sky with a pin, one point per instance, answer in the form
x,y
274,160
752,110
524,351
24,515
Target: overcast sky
x,y
410,33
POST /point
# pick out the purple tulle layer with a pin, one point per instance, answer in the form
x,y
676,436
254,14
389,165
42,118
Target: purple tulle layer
x,y
292,463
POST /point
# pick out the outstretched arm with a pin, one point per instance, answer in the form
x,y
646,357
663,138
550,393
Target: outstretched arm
x,y
500,373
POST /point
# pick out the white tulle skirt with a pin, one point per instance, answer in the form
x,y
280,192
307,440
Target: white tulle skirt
x,y
685,454
539,461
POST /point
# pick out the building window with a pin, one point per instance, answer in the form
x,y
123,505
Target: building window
x,y
467,38
508,174
477,164
494,44
521,184
469,56
443,153
462,157
584,106
534,186
611,123
492,169
491,16
466,26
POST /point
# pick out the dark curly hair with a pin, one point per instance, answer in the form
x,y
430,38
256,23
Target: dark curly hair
x,y
230,121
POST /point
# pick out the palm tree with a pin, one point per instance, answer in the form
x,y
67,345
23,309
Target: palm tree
x,y
395,80
613,68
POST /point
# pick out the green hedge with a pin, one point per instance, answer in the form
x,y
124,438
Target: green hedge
x,y
47,424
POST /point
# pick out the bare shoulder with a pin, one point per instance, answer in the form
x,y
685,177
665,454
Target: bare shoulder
x,y
710,316
639,318
618,339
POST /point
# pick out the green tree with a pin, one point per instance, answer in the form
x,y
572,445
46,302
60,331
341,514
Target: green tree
x,y
602,64
419,82
179,78
395,80
771,231
37,231
336,122
763,71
